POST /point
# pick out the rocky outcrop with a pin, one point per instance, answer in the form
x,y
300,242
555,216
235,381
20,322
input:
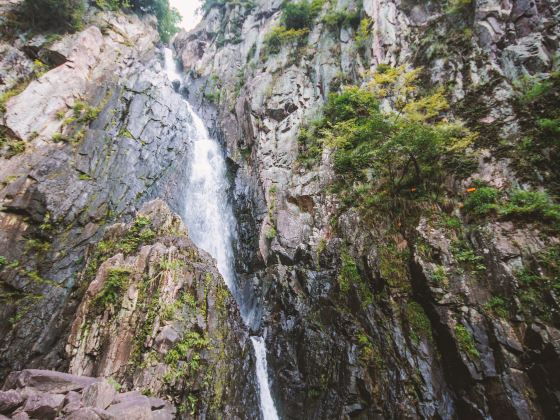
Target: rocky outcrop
x,y
46,394
158,318
421,331
117,135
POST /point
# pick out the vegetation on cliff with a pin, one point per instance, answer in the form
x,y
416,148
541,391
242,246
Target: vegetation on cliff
x,y
68,15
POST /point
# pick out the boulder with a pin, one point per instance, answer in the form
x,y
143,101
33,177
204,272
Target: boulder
x,y
132,408
99,395
44,406
85,413
9,401
161,415
50,381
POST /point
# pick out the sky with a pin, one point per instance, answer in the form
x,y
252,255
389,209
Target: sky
x,y
187,8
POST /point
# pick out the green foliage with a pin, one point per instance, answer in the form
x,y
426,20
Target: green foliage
x,y
439,275
57,15
363,33
10,93
482,200
271,233
498,306
380,157
280,36
336,19
297,15
457,6
531,88
465,341
418,321
3,261
37,246
16,147
114,384
349,273
536,205
465,255
111,293
451,222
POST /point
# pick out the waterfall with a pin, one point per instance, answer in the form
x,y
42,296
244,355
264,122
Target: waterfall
x,y
267,404
211,223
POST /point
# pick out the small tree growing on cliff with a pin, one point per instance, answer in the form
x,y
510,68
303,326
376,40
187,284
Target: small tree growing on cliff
x,y
57,15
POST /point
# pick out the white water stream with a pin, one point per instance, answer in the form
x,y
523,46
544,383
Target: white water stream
x,y
211,224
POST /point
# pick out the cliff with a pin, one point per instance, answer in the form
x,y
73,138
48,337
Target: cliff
x,y
424,303
394,182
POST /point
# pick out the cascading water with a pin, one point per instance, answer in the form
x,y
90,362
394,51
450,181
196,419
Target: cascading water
x,y
211,223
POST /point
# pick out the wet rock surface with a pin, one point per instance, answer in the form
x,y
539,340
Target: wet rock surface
x,y
398,343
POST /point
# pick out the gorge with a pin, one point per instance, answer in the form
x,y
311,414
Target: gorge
x,y
312,209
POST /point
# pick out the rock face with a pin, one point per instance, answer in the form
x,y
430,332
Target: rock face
x,y
398,343
112,152
94,281
448,314
45,394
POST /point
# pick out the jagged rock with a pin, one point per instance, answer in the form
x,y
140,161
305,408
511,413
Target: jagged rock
x,y
48,381
132,407
43,405
86,413
98,395
9,401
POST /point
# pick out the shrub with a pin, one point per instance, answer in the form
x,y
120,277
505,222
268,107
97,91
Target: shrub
x,y
59,15
534,204
271,233
297,15
336,19
3,261
482,200
439,274
281,35
497,305
379,157
110,294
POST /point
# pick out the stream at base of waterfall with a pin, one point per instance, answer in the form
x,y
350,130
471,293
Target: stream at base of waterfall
x,y
211,223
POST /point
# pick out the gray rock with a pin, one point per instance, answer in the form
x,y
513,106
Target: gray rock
x,y
10,400
20,416
167,337
85,413
44,406
132,408
52,381
99,395
161,415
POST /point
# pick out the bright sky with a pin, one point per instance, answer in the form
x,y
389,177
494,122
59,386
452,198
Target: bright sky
x,y
187,8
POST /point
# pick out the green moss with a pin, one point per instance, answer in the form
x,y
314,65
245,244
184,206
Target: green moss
x,y
466,342
349,273
115,284
280,36
271,233
37,246
418,321
439,275
532,205
16,147
498,306
466,256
